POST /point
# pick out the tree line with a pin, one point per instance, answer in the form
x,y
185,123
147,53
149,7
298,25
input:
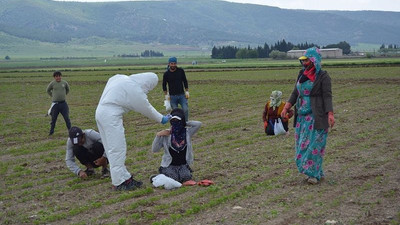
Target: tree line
x,y
146,53
278,50
390,46
389,50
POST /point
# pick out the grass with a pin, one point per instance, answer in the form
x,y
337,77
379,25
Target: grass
x,y
204,63
250,170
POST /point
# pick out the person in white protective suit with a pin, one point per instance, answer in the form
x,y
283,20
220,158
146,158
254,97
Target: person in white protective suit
x,y
122,94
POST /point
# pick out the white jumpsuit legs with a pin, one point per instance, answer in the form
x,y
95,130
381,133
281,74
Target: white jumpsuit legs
x,y
112,132
123,94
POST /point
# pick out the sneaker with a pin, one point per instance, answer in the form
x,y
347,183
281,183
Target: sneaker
x,y
105,173
130,184
89,171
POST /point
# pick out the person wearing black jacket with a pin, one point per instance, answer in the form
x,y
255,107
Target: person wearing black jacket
x,y
178,90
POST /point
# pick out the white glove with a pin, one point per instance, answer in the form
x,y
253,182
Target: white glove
x,y
187,94
167,105
49,111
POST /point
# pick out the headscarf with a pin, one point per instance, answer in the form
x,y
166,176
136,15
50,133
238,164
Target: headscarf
x,y
178,130
275,99
314,55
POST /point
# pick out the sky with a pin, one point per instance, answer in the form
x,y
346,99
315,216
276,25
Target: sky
x,y
352,5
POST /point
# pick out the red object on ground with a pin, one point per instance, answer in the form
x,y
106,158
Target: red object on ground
x,y
205,183
189,183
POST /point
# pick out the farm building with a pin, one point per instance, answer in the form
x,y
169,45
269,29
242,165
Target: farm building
x,y
325,53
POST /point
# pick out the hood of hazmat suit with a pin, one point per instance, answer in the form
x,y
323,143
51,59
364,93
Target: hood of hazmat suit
x,y
129,93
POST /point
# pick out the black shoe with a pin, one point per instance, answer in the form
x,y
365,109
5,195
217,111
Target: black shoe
x,y
105,173
130,184
89,171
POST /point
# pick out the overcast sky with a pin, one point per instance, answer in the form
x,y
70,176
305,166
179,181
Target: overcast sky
x,y
381,5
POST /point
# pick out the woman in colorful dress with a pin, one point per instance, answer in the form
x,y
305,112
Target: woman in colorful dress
x,y
313,115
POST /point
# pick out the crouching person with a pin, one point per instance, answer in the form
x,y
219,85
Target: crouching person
x,y
272,112
87,147
177,144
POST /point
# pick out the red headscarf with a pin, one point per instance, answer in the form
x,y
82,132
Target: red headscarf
x,y
310,73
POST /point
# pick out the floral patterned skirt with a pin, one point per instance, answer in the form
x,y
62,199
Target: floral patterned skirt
x,y
310,146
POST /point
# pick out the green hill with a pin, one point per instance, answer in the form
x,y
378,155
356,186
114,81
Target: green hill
x,y
189,22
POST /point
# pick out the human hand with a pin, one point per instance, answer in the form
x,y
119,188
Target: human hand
x,y
167,97
285,118
102,161
187,94
82,174
265,124
284,112
285,109
166,118
331,119
164,133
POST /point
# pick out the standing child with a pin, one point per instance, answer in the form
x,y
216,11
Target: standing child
x,y
58,90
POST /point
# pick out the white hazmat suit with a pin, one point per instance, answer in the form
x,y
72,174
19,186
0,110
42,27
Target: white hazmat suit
x,y
122,94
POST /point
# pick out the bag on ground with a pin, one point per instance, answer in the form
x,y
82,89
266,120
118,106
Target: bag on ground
x,y
167,182
278,127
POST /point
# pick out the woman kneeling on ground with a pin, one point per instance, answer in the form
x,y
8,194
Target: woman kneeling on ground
x,y
177,144
272,112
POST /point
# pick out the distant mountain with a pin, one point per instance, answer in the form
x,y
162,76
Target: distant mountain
x,y
193,22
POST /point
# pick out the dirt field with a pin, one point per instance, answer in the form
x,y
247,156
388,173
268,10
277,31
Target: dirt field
x,y
256,180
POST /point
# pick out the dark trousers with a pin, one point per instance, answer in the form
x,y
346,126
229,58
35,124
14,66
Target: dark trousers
x,y
270,128
180,173
88,156
61,107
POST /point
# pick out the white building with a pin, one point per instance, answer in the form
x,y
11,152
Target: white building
x,y
325,53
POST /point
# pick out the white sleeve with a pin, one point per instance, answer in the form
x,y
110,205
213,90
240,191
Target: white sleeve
x,y
70,158
146,109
